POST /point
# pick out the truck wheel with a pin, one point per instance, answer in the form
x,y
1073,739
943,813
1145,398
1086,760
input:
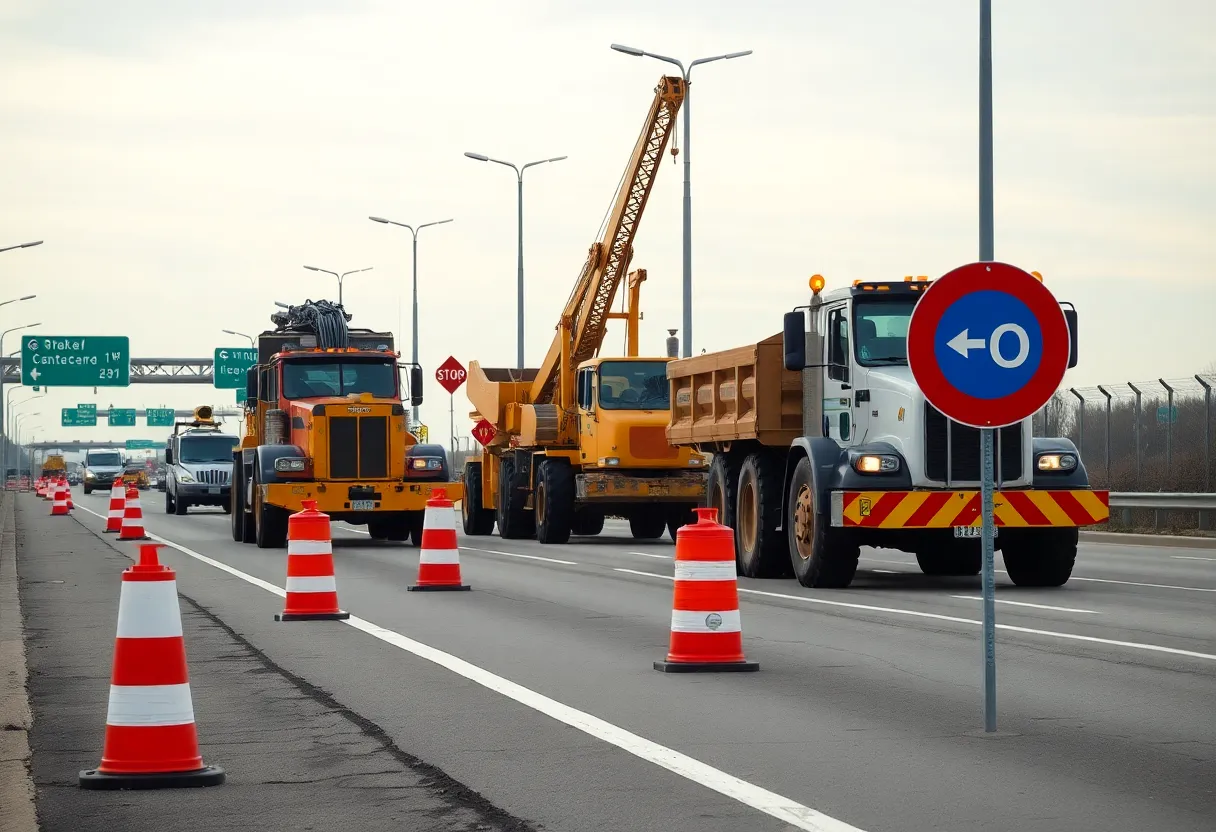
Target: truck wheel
x,y
377,530
476,519
88,489
682,516
238,504
647,523
720,488
415,521
761,550
953,558
514,521
397,527
271,531
587,523
1040,557
169,503
819,560
554,501
180,506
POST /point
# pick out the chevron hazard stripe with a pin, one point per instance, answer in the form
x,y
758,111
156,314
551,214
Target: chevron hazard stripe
x,y
943,509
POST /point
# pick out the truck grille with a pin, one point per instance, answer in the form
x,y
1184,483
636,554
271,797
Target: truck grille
x,y
213,477
965,459
358,447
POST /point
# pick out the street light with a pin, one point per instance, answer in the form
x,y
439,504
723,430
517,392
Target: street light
x,y
519,176
9,409
685,74
4,436
17,435
17,300
339,276
414,233
22,245
243,335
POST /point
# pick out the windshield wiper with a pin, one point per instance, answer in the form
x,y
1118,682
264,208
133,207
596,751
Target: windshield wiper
x,y
888,359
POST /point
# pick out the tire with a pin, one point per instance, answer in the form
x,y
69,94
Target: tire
x,y
819,560
169,503
514,521
647,523
180,506
720,488
476,519
414,521
951,558
238,504
271,531
554,501
587,522
1040,557
682,516
397,527
88,489
761,550
376,530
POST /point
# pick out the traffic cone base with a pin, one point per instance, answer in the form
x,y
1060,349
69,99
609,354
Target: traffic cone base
x,y
706,630
205,776
439,558
312,587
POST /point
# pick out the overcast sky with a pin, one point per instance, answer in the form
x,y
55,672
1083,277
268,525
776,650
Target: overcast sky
x,y
184,160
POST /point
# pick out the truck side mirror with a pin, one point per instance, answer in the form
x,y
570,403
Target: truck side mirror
x,y
168,456
415,386
1070,315
793,340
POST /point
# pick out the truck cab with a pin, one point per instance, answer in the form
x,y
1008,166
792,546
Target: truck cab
x,y
100,468
198,464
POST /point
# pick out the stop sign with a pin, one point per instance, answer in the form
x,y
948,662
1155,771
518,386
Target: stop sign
x,y
484,432
451,374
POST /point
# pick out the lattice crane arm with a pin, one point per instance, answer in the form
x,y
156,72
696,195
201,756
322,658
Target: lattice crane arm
x,y
608,260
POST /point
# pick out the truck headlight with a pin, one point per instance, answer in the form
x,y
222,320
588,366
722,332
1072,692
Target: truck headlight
x,y
88,475
876,464
425,463
291,463
184,477
1057,462
696,460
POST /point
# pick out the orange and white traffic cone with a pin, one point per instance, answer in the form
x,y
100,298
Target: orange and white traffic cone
x,y
439,560
151,741
312,587
132,518
67,486
118,504
706,634
59,499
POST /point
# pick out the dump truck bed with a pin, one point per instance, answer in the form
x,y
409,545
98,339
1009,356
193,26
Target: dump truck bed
x,y
491,389
738,394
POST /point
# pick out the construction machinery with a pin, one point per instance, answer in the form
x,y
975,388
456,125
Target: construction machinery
x,y
325,421
823,443
581,437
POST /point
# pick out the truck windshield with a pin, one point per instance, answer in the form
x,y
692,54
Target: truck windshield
x,y
880,330
312,379
202,450
634,385
111,460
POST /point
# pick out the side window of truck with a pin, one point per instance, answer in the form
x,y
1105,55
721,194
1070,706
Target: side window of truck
x,y
585,388
838,345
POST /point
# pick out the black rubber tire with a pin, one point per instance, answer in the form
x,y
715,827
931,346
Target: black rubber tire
x,y
238,503
554,501
761,549
959,558
376,531
226,505
476,519
1040,557
271,530
514,521
682,516
827,562
647,522
169,503
587,522
88,489
180,506
720,487
414,521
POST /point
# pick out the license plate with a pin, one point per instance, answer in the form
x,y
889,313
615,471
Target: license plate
x,y
213,490
362,505
975,532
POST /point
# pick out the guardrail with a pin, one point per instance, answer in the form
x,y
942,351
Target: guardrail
x,y
1160,502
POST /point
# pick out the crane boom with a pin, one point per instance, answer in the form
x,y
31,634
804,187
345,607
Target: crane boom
x,y
607,261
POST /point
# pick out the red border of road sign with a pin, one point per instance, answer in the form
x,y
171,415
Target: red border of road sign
x,y
922,361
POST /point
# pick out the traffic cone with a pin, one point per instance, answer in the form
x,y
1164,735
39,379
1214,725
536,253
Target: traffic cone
x,y
312,587
59,499
67,486
151,741
132,518
706,634
439,560
118,504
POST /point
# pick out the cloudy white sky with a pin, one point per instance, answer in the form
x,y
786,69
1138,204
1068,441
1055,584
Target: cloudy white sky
x,y
184,160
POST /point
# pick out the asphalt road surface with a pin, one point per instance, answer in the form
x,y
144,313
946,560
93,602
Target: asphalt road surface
x,y
536,689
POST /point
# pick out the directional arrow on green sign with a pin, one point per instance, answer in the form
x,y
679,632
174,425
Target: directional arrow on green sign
x,y
71,417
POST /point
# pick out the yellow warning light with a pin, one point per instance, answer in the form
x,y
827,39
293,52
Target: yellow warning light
x,y
907,278
1037,276
922,277
817,283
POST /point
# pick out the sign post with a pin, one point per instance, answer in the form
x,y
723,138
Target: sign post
x,y
988,345
450,375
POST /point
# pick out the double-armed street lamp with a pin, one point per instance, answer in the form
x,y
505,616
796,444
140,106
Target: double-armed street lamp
x,y
519,176
685,74
340,277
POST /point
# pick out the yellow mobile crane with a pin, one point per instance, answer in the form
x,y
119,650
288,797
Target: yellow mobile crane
x,y
583,437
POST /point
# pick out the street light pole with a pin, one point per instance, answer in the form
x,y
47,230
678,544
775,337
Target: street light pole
x,y
413,233
4,437
686,74
22,245
339,276
519,177
243,335
8,411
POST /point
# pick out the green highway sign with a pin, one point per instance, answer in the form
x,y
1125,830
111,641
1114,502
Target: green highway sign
x,y
71,417
76,361
241,395
159,417
122,417
230,366
87,410
142,444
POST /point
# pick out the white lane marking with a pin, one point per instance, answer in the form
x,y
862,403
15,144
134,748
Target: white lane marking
x,y
1189,557
886,571
518,555
1026,604
1135,583
1154,648
648,555
770,803
896,562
